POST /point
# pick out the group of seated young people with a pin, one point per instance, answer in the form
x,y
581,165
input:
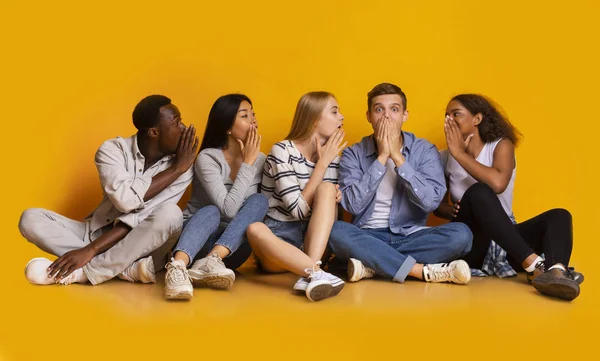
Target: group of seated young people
x,y
283,208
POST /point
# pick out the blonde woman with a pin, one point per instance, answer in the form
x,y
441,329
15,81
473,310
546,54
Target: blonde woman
x,y
300,180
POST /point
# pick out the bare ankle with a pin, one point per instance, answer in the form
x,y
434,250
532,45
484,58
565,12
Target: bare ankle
x,y
416,271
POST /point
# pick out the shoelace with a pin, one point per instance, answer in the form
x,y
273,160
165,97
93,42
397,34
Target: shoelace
x,y
443,273
313,274
172,273
368,271
216,257
67,280
541,266
129,270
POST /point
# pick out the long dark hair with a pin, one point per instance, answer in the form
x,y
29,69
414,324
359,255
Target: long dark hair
x,y
493,124
220,120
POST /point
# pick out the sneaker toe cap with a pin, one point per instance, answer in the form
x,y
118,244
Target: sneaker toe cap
x,y
36,273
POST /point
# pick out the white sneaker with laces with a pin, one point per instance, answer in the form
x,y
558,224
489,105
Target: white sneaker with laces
x,y
140,271
177,281
77,276
357,270
322,284
36,272
455,272
301,284
210,271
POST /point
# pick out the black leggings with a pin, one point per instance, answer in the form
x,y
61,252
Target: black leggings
x,y
550,233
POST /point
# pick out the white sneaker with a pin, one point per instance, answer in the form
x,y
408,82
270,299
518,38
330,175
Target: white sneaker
x,y
177,282
140,271
210,271
77,276
455,272
357,271
301,284
36,272
322,284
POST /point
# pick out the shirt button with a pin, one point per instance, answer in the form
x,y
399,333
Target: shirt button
x,y
139,170
402,174
108,220
415,189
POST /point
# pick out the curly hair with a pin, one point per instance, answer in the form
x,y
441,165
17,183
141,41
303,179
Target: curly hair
x,y
493,124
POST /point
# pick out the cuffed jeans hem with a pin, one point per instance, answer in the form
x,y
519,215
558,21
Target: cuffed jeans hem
x,y
223,245
405,269
186,252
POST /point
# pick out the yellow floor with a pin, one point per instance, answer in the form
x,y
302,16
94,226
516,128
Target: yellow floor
x,y
260,318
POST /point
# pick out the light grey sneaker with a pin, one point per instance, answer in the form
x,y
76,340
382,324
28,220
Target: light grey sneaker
x,y
177,281
301,284
140,271
210,271
357,270
455,272
322,284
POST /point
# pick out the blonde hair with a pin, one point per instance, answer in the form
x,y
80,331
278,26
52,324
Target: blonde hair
x,y
308,111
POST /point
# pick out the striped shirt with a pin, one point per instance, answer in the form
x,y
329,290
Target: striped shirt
x,y
285,175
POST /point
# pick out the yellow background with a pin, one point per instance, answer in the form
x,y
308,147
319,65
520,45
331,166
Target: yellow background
x,y
71,73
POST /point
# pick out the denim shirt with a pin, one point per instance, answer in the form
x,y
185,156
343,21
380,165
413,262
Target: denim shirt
x,y
419,189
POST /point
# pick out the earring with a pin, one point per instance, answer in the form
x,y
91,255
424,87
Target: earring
x,y
229,132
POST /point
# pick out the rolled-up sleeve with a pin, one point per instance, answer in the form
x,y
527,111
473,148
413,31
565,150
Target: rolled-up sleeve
x,y
425,185
171,194
358,188
125,191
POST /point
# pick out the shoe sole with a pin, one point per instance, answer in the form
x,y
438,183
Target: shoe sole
x,y
323,291
218,282
181,295
352,276
564,289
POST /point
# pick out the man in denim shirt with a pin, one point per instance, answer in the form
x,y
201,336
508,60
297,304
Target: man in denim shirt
x,y
390,182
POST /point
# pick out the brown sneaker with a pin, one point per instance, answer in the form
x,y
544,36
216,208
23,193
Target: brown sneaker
x,y
577,276
539,269
557,283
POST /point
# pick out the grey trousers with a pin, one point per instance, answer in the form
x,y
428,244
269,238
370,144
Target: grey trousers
x,y
155,236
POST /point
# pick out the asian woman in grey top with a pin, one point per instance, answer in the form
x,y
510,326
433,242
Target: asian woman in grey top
x,y
224,201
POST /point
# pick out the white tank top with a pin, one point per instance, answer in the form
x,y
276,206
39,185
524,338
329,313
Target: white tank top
x,y
460,180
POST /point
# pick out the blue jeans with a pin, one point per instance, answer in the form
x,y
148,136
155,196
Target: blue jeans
x,y
292,232
205,230
392,255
